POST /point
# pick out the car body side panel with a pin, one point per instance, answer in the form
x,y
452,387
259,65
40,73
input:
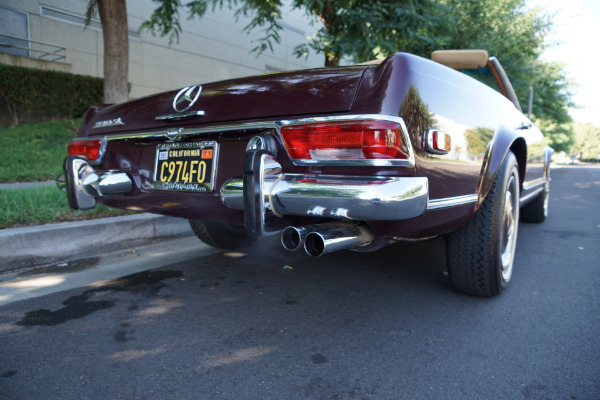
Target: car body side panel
x,y
482,123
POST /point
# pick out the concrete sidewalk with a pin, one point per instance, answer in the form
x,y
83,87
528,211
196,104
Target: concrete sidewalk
x,y
45,244
26,185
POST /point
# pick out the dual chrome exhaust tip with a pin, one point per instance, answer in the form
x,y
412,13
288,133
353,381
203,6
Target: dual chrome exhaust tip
x,y
326,238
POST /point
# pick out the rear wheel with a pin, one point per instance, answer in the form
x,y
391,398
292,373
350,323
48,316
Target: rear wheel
x,y
480,255
537,209
219,235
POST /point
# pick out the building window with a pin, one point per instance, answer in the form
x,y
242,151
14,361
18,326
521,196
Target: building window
x,y
14,32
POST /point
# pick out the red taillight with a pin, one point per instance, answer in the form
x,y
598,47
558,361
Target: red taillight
x,y
90,149
345,140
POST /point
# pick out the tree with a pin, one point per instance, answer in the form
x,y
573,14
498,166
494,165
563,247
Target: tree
x,y
587,141
551,103
559,135
360,29
366,29
113,16
517,36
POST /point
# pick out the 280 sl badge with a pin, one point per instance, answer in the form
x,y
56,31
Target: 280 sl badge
x,y
108,122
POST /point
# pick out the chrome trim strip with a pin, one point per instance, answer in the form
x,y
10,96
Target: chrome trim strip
x,y
349,198
181,115
534,184
277,124
438,204
523,200
193,131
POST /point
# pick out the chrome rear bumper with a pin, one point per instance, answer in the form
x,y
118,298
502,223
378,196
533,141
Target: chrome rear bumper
x,y
268,193
356,198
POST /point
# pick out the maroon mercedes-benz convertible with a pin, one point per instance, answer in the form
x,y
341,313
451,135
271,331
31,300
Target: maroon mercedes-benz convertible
x,y
353,157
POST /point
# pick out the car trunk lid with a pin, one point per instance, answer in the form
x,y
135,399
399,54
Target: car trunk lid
x,y
273,96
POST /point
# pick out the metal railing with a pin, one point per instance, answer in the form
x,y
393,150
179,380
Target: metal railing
x,y
32,49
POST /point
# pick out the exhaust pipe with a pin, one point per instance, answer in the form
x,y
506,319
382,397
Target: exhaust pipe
x,y
326,238
319,243
292,238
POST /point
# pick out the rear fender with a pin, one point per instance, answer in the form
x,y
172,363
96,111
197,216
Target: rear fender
x,y
505,140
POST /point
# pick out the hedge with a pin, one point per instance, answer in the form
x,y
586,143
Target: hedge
x,y
32,95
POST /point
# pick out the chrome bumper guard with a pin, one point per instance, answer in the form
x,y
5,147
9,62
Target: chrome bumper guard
x,y
83,184
266,195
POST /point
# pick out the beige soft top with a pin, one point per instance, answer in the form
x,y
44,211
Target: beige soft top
x,y
461,59
373,62
456,59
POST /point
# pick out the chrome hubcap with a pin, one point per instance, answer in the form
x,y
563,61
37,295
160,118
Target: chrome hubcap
x,y
510,222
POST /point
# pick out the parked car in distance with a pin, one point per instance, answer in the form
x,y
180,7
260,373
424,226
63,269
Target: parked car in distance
x,y
354,157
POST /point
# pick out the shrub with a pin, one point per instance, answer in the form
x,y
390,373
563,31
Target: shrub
x,y
33,95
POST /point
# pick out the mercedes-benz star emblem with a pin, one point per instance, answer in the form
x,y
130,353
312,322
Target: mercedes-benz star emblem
x,y
188,95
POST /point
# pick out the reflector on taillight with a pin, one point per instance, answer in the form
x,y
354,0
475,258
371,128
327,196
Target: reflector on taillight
x,y
438,142
90,149
345,140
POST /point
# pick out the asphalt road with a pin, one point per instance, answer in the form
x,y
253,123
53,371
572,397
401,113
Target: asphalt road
x,y
266,324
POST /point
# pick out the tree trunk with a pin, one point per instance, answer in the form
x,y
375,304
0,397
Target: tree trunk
x,y
332,60
113,15
327,16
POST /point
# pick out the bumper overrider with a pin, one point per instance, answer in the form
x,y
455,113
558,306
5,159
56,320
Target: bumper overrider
x,y
83,184
267,196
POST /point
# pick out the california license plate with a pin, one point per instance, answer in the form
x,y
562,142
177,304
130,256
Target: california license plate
x,y
185,166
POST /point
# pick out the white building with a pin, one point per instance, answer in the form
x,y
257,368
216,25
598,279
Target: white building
x,y
210,48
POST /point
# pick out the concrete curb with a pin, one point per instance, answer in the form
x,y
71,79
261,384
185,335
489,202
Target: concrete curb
x,y
45,244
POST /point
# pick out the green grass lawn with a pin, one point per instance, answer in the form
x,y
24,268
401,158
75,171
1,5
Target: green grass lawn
x,y
43,205
35,152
